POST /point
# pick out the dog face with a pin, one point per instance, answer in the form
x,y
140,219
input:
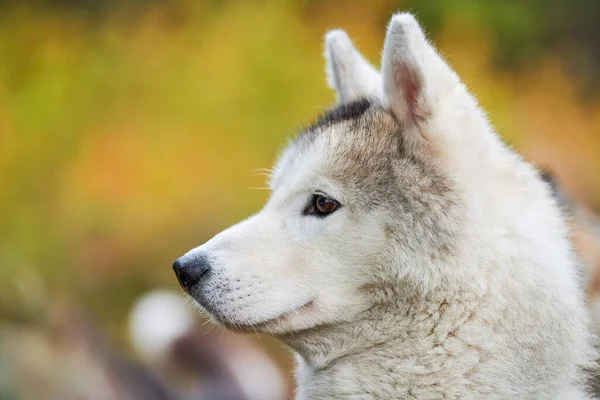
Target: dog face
x,y
358,199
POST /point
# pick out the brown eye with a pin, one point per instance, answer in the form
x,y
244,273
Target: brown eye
x,y
320,205
324,205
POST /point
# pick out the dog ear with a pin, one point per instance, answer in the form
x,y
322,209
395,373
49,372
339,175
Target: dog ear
x,y
408,63
348,73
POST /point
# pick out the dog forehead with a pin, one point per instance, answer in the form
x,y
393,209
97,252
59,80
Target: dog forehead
x,y
351,144
348,123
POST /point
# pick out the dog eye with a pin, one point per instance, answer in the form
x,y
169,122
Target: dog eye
x,y
321,206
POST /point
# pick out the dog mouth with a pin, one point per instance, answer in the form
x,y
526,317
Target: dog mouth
x,y
242,326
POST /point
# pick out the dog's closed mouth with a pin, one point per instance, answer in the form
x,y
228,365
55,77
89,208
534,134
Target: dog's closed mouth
x,y
244,326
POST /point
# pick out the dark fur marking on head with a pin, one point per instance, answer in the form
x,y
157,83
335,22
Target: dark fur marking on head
x,y
342,112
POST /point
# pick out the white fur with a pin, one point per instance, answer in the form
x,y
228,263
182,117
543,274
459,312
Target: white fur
x,y
501,316
348,73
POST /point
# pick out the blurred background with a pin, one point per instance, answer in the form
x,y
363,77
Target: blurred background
x,y
132,130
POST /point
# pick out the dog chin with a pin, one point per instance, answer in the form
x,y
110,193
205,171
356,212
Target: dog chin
x,y
292,320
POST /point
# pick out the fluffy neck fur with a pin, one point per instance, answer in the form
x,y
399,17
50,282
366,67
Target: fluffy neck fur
x,y
447,344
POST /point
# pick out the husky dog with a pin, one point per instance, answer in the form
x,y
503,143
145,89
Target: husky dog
x,y
405,251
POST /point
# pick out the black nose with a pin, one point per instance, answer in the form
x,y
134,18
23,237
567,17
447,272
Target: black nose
x,y
190,269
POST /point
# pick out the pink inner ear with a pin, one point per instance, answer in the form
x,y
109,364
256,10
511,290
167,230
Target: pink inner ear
x,y
409,85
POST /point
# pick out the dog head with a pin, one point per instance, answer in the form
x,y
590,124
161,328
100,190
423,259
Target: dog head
x,y
365,196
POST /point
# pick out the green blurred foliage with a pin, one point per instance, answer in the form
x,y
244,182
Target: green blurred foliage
x,y
129,131
522,31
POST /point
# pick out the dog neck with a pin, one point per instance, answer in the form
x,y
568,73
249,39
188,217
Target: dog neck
x,y
387,340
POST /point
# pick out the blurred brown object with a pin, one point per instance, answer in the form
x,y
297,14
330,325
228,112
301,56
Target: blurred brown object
x,y
587,243
68,357
202,360
52,347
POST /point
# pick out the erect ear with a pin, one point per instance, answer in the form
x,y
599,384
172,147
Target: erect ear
x,y
408,64
348,73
